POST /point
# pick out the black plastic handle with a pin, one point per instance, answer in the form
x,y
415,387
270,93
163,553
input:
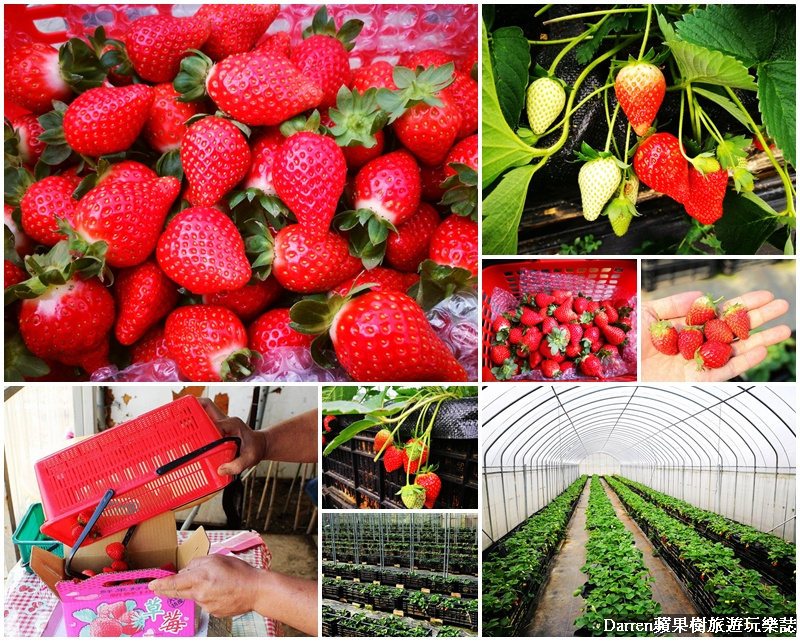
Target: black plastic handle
x,y
183,460
86,531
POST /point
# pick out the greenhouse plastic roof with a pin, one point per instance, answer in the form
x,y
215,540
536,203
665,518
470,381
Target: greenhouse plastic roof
x,y
702,426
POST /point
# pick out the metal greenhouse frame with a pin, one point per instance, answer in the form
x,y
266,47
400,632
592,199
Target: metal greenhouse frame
x,y
725,448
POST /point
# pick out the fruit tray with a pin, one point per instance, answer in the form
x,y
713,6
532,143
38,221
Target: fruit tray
x,y
599,279
157,462
27,536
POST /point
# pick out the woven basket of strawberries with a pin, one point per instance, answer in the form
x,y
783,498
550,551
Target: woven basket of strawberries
x,y
559,320
241,192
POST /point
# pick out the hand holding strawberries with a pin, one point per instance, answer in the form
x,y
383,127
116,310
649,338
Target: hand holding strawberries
x,y
677,310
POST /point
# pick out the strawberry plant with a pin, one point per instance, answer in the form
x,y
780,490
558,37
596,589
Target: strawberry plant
x,y
695,102
163,163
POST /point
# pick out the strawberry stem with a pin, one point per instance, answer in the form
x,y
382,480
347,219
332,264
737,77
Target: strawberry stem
x,y
646,31
590,14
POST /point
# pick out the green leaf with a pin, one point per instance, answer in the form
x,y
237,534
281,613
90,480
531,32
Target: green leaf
x,y
502,211
746,225
501,147
332,393
745,32
351,431
587,50
511,58
777,87
698,64
667,30
724,102
786,36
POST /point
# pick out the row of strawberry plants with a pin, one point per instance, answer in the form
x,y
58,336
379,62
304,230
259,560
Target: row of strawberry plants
x,y
513,573
340,623
414,580
618,585
713,576
451,610
728,532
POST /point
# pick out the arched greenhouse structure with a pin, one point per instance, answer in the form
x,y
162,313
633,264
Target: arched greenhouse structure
x,y
638,505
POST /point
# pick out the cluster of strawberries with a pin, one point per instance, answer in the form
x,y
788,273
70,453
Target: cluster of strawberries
x,y
412,457
708,335
176,201
117,553
555,332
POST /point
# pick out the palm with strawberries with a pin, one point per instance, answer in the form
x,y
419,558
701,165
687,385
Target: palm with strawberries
x,y
761,308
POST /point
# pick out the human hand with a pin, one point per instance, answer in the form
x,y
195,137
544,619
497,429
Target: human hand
x,y
761,308
252,448
222,585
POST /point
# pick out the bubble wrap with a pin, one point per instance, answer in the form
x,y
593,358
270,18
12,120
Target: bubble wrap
x,y
390,30
455,321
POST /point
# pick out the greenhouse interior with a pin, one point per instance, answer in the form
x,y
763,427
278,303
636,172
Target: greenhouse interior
x,y
400,574
635,508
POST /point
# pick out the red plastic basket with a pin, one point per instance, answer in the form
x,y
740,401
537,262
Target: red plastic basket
x,y
157,462
599,279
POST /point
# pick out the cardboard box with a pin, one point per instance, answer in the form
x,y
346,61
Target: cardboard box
x,y
133,609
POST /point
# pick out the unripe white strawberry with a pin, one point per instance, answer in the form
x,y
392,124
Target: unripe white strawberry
x,y
545,100
598,179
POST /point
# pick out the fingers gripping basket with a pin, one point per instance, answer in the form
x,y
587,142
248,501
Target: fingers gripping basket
x,y
504,284
157,462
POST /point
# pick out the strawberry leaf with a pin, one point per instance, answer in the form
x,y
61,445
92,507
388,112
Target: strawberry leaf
x,y
698,64
502,210
511,59
748,222
19,363
777,90
349,432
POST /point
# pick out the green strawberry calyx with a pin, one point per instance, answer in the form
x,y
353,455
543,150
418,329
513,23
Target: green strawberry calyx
x,y
462,191
369,232
357,118
413,496
414,87
321,25
587,154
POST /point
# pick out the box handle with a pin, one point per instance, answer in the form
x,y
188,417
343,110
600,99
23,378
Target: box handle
x,y
169,467
86,530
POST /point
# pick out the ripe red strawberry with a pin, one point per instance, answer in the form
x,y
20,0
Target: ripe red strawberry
x,y
249,301
324,56
601,319
12,274
713,355
580,304
499,354
208,343
535,358
126,171
563,313
215,157
69,323
255,88
271,330
107,120
144,295
455,243
127,216
590,365
44,202
515,336
26,129
235,28
464,92
309,174
389,186
706,195
116,551
432,484
393,458
660,165
33,77
611,312
152,346
379,279
166,124
424,115
531,340
530,317
383,437
416,455
408,246
573,350
689,340
640,89
156,44
428,58
432,179
500,323
326,423
664,337
378,74
575,332
203,251
544,299
381,336
561,296
263,150
718,330
548,324
550,369
296,249
614,335
279,43
703,309
737,319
